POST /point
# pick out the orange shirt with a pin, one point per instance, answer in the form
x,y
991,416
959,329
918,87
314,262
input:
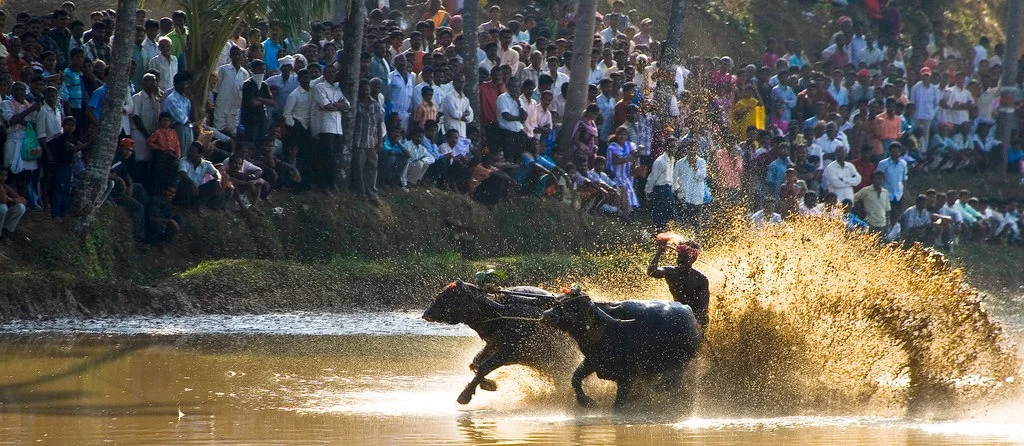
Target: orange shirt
x,y
166,140
423,113
888,128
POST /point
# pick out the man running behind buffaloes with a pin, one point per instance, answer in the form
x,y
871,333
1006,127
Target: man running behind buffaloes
x,y
687,285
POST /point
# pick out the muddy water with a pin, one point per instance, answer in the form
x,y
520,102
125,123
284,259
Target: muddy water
x,y
365,379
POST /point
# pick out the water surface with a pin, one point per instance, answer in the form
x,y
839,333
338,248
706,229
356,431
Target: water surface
x,y
366,379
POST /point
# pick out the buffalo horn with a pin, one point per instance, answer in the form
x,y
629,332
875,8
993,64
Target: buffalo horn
x,y
605,316
482,299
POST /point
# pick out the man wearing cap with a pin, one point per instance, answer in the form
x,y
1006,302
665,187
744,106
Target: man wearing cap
x,y
845,27
861,89
644,36
228,105
687,285
281,85
925,95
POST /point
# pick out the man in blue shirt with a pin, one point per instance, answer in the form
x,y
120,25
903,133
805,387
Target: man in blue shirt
x,y
273,48
895,170
777,169
179,104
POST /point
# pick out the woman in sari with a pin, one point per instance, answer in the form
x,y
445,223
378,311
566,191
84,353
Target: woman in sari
x,y
748,112
584,136
621,154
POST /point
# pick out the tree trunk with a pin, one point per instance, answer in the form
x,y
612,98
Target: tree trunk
x,y
579,76
349,62
672,54
88,197
1008,95
471,64
201,51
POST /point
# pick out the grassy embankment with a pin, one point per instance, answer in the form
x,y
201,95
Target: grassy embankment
x,y
337,253
993,268
320,253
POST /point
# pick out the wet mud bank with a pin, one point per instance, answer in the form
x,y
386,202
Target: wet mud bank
x,y
306,253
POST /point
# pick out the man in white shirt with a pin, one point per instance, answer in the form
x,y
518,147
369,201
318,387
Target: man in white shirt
x,y
840,177
506,52
230,78
925,95
691,173
330,156
147,105
165,64
402,84
559,77
455,107
538,122
956,102
980,51
511,117
200,180
149,46
535,69
426,80
659,186
826,146
298,112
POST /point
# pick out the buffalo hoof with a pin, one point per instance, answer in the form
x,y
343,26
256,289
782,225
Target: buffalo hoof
x,y
585,401
489,385
465,397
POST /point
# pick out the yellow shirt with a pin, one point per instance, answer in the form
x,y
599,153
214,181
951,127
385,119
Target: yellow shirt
x,y
876,205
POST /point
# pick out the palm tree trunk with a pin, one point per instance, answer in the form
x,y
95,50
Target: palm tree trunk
x,y
87,198
673,47
672,53
579,77
1006,122
470,44
350,63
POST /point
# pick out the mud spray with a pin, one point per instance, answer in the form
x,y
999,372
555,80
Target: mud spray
x,y
808,318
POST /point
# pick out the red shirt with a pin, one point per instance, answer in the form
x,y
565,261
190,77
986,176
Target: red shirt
x,y
489,92
865,168
14,65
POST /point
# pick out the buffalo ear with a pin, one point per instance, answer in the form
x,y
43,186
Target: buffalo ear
x,y
458,282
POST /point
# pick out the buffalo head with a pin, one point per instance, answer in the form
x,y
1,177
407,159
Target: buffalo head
x,y
460,302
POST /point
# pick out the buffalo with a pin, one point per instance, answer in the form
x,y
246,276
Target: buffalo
x,y
509,325
629,342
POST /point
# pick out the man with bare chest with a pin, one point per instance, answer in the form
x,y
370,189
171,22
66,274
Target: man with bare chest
x,y
687,285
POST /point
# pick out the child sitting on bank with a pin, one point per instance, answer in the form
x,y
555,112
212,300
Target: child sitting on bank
x,y
165,147
419,158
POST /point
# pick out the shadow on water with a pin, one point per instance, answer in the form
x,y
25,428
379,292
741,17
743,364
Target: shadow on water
x,y
23,396
78,368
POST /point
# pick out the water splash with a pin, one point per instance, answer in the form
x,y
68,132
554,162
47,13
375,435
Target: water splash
x,y
810,318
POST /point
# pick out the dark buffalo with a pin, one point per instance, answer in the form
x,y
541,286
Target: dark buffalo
x,y
627,342
510,326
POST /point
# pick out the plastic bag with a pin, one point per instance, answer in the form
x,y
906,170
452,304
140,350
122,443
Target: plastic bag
x,y
30,150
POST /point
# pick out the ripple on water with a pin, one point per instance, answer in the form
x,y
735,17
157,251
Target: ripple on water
x,y
310,324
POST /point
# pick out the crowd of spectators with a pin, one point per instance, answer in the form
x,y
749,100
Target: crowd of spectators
x,y
837,129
